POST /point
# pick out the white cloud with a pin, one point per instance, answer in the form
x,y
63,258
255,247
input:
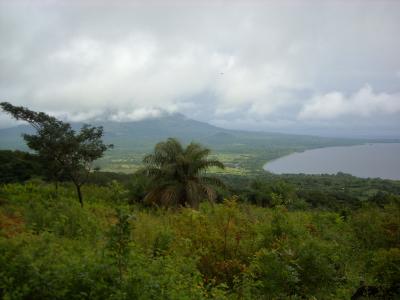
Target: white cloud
x,y
136,115
6,121
83,61
77,116
256,87
365,103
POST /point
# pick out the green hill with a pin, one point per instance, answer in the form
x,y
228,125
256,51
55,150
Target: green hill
x,y
246,150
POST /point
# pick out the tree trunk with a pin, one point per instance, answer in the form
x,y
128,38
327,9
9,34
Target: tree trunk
x,y
78,191
56,186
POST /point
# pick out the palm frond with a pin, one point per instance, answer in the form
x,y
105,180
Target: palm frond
x,y
153,196
149,159
209,192
193,194
204,165
196,151
170,196
212,181
175,174
154,172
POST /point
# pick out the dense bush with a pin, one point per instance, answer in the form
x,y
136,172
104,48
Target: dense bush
x,y
18,166
51,248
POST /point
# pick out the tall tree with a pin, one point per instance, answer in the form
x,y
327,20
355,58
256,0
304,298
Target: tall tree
x,y
178,174
65,151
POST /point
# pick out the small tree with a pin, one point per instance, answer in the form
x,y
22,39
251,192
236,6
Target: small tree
x,y
119,239
65,151
178,174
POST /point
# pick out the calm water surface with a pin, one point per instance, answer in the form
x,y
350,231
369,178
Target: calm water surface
x,y
370,160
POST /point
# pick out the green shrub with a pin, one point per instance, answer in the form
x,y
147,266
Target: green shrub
x,y
385,267
51,248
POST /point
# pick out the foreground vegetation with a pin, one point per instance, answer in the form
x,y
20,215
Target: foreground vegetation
x,y
51,248
172,232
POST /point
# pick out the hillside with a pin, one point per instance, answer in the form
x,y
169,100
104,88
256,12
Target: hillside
x,y
135,134
244,150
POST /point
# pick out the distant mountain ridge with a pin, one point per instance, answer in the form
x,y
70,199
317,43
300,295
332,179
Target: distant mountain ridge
x,y
128,133
142,135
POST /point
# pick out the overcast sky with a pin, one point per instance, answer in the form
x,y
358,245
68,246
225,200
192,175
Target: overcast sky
x,y
322,67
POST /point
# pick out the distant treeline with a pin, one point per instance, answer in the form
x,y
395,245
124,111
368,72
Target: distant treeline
x,y
332,192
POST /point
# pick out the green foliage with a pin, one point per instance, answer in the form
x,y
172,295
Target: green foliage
x,y
162,242
177,174
18,166
118,192
274,274
44,212
386,267
51,248
46,267
62,151
138,188
342,193
119,239
270,194
222,237
376,228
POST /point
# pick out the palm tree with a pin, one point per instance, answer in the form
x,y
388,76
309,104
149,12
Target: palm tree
x,y
178,174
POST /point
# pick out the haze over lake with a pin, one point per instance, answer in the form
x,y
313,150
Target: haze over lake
x,y
369,160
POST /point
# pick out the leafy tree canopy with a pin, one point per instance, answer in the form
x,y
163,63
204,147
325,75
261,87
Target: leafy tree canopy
x,y
178,174
65,151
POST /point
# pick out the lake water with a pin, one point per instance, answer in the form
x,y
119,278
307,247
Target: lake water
x,y
369,160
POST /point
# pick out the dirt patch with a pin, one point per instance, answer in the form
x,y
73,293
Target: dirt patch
x,y
11,224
